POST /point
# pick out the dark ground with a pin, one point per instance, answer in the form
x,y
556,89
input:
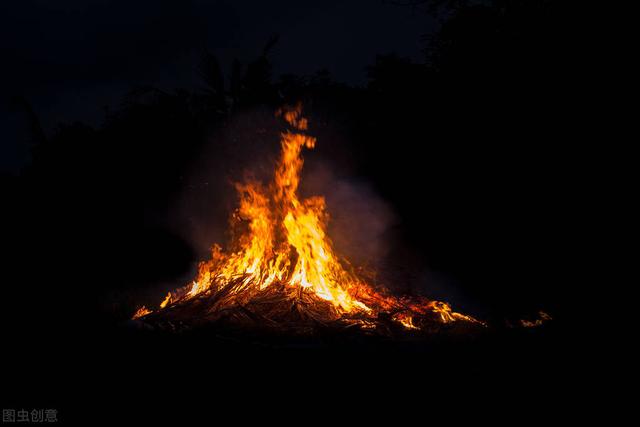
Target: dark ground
x,y
181,378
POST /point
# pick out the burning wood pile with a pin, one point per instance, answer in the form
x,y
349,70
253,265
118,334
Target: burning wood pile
x,y
281,270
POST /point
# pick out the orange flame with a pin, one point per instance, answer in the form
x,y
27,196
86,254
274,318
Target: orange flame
x,y
282,239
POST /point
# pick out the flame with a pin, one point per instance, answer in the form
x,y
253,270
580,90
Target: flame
x,y
405,320
280,240
141,312
166,300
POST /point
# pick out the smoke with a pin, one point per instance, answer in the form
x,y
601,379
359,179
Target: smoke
x,y
360,220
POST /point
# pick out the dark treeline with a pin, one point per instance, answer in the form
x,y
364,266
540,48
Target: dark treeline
x,y
470,146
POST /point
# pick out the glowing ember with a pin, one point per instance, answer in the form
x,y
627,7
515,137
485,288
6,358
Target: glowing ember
x,y
282,261
542,319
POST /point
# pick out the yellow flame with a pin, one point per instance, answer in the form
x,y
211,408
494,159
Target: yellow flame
x,y
166,301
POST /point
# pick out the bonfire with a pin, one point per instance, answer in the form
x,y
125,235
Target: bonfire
x,y
281,270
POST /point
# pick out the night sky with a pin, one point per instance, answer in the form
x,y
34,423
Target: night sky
x,y
72,59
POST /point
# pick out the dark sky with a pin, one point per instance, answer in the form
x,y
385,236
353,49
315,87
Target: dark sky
x,y
71,58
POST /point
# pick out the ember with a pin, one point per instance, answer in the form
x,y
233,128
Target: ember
x,y
282,268
541,320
